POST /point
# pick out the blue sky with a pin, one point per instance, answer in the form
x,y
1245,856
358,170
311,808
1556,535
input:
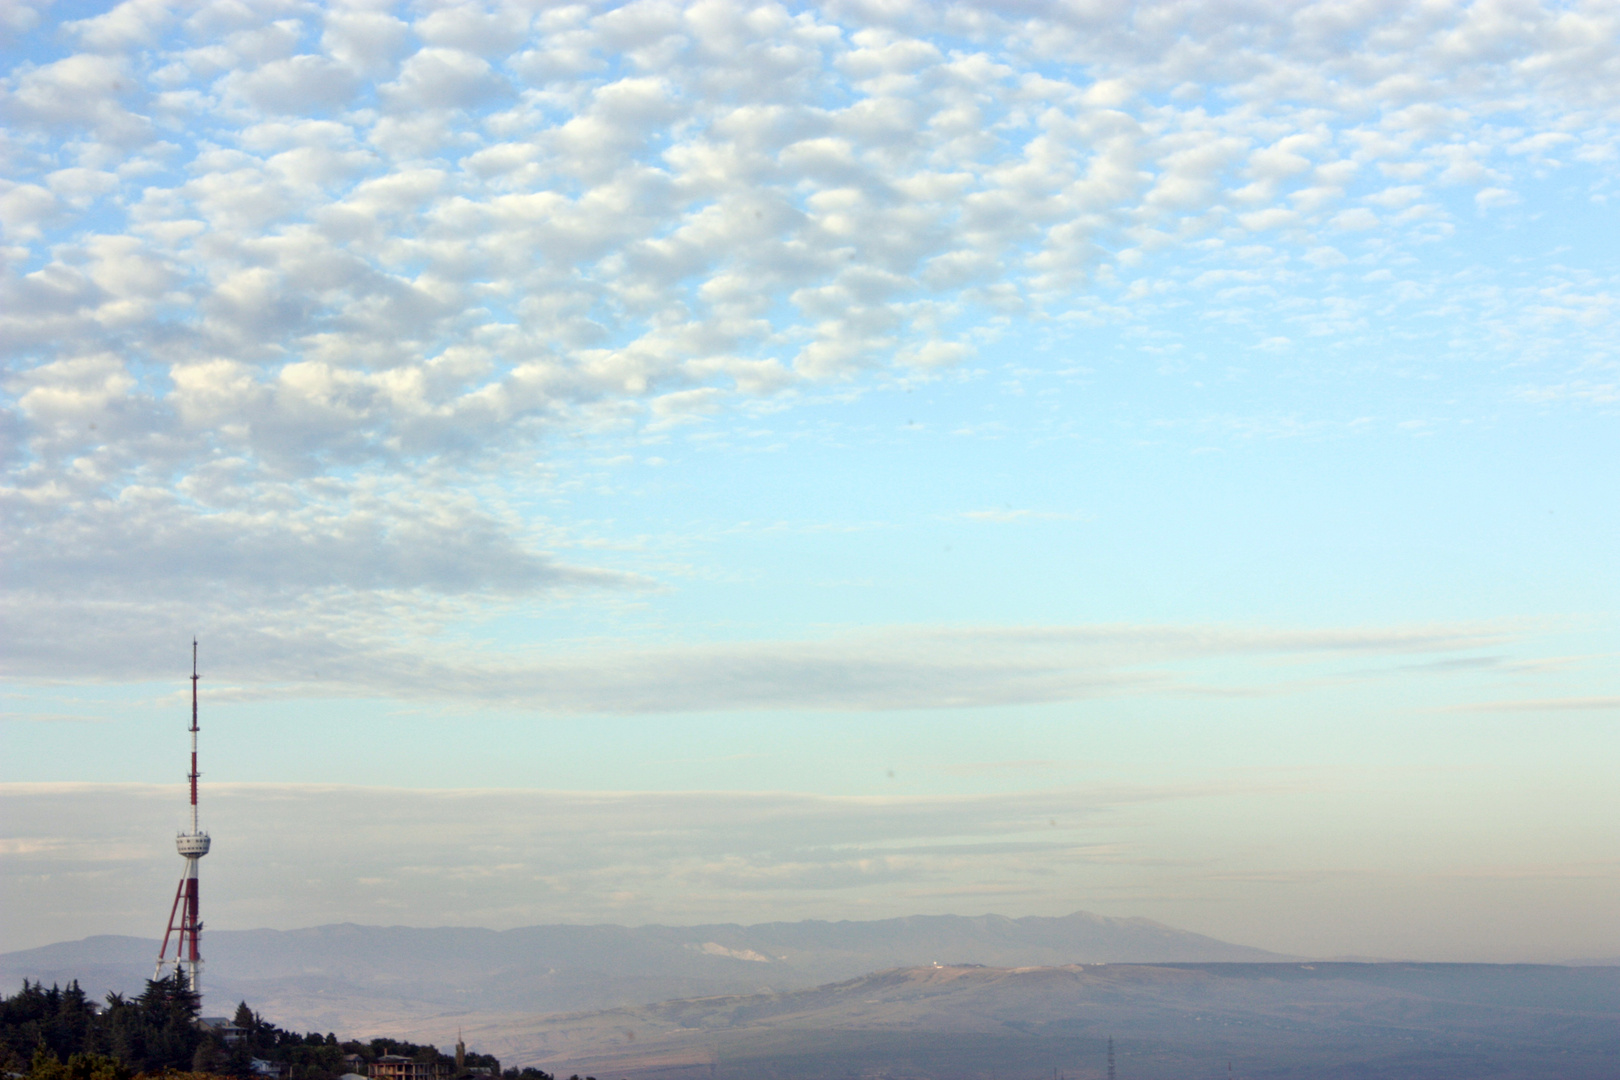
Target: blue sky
x,y
912,416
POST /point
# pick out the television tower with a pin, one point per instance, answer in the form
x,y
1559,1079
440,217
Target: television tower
x,y
185,918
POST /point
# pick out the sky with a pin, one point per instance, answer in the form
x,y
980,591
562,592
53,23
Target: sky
x,y
735,462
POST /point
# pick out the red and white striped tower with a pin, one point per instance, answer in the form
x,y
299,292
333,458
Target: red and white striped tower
x,y
185,917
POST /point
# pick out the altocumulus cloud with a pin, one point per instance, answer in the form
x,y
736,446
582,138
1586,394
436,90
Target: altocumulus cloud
x,y
295,295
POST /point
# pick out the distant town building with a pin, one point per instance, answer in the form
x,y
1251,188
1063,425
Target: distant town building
x,y
400,1067
222,1026
274,1070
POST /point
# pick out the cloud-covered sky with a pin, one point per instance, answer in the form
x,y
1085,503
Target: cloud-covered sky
x,y
834,401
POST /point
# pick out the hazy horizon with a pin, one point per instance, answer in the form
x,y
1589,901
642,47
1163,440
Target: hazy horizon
x,y
734,462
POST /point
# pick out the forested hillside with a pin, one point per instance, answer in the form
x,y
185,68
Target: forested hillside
x,y
61,1034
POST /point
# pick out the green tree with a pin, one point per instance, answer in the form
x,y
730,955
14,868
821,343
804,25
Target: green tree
x,y
47,1066
156,1031
60,1019
211,1056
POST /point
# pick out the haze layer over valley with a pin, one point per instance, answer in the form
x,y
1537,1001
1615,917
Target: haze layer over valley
x,y
1329,1021
1017,996
380,980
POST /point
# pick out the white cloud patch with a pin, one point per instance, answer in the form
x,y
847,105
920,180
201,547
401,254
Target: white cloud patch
x,y
280,281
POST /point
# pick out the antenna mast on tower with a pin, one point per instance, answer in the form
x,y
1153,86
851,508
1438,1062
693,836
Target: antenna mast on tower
x,y
185,917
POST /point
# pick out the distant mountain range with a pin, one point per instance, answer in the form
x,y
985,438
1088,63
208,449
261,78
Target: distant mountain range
x,y
351,979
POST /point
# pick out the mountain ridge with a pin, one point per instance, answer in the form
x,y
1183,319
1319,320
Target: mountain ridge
x,y
349,974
